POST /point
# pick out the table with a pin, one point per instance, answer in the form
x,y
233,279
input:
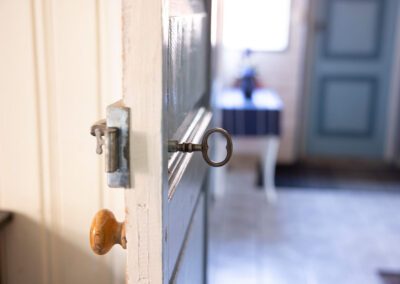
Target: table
x,y
244,119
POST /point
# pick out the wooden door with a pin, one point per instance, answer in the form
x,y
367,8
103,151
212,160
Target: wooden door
x,y
60,68
350,82
165,83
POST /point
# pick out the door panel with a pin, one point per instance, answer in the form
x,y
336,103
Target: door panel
x,y
348,36
166,48
188,119
359,93
350,80
187,76
185,183
192,255
52,88
24,240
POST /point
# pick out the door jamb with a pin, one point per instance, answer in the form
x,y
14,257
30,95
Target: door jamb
x,y
391,150
308,68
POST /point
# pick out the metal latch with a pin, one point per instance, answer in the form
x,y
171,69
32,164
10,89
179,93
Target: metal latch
x,y
106,136
113,134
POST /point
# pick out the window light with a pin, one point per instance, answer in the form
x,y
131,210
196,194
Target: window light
x,y
260,25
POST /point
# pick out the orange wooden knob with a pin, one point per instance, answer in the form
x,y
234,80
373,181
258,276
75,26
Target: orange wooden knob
x,y
105,232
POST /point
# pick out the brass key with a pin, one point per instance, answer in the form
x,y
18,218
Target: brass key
x,y
175,146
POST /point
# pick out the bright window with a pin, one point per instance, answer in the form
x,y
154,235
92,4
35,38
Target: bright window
x,y
261,25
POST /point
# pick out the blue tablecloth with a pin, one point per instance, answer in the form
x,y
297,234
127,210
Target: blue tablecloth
x,y
258,116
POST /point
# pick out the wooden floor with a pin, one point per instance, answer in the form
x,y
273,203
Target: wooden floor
x,y
309,236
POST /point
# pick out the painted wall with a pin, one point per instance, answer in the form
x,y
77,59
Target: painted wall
x,y
282,71
60,66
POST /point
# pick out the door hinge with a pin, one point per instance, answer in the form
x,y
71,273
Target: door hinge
x,y
113,134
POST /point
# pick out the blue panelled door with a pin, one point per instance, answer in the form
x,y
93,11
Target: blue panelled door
x,y
350,82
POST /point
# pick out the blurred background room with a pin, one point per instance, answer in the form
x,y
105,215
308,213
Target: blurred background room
x,y
310,92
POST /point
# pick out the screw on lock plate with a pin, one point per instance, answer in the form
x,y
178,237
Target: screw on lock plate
x,y
106,136
175,146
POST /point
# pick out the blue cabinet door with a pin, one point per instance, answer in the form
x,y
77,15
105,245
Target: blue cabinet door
x,y
350,81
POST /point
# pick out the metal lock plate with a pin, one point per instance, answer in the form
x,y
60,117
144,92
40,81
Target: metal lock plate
x,y
113,133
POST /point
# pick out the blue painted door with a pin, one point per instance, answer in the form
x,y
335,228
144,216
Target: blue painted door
x,y
350,81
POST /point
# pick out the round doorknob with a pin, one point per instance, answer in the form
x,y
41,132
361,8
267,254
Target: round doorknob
x,y
106,231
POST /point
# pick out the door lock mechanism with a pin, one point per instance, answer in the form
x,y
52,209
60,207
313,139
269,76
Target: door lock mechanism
x,y
106,136
175,146
113,134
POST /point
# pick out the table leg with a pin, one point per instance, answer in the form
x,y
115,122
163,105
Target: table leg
x,y
269,163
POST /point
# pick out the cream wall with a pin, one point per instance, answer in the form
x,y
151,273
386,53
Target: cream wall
x,y
282,71
60,66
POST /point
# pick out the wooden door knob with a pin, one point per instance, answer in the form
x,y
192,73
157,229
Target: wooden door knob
x,y
105,232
